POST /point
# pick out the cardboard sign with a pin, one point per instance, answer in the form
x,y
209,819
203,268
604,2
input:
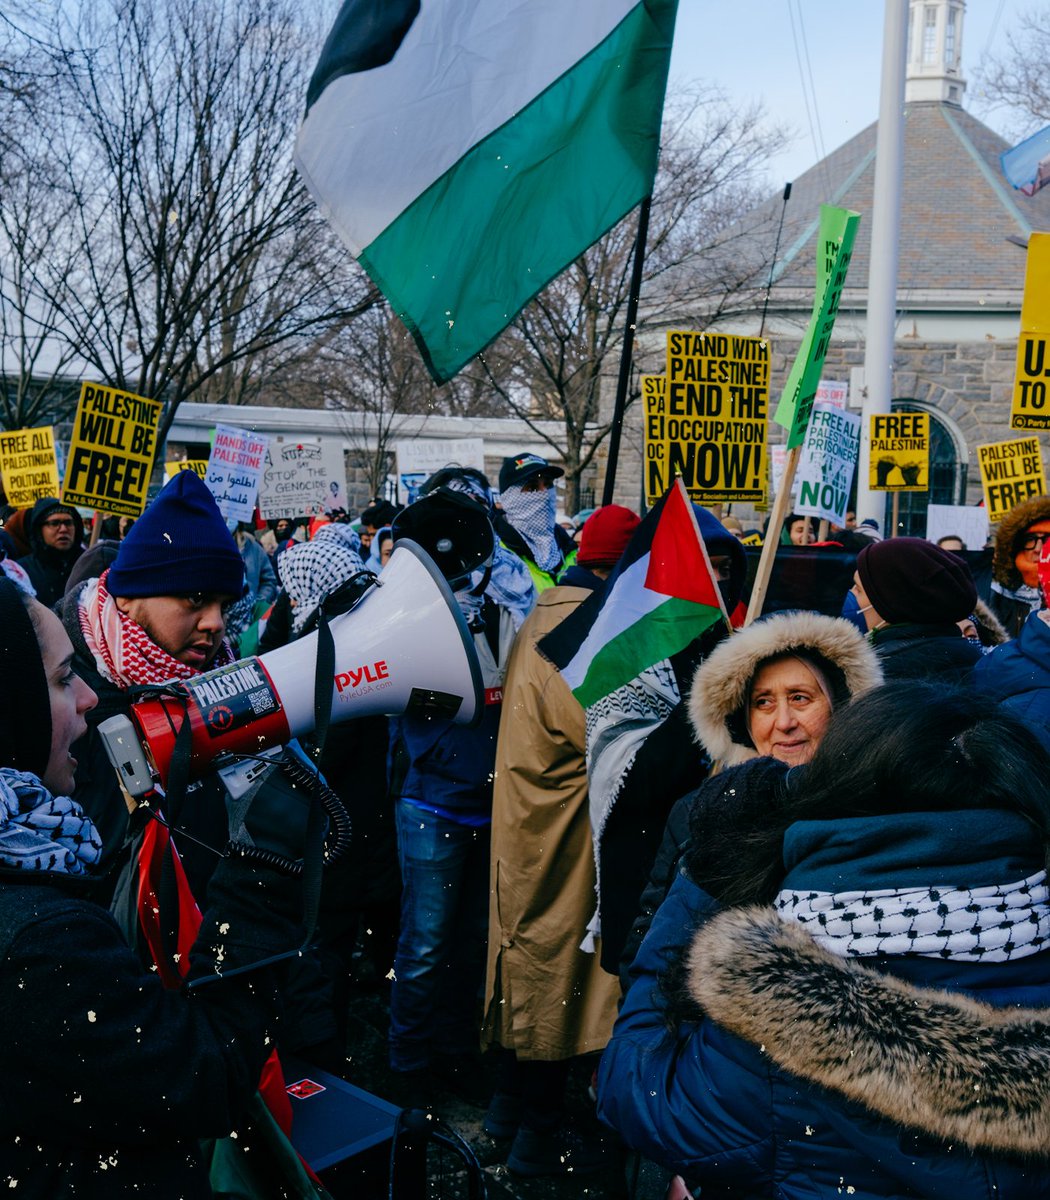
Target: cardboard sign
x,y
654,404
1030,409
829,458
302,479
1010,472
28,466
418,459
199,465
835,238
714,416
900,452
238,458
112,450
965,521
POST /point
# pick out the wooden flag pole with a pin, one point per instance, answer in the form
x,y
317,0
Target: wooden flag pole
x,y
895,513
823,530
772,539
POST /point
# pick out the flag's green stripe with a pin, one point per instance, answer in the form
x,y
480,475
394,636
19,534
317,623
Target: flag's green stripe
x,y
450,264
665,631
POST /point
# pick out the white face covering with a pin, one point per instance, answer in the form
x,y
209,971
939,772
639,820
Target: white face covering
x,y
533,515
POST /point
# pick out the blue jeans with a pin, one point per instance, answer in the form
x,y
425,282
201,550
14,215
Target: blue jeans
x,y
440,964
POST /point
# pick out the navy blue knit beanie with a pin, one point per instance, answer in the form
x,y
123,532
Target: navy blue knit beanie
x,y
180,545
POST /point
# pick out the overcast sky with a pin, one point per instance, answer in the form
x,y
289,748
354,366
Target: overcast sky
x,y
749,50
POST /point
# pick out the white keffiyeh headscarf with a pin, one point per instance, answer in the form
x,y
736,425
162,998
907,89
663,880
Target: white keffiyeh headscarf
x,y
310,570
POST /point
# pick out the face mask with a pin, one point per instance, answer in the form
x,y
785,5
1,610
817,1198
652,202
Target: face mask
x,y
852,612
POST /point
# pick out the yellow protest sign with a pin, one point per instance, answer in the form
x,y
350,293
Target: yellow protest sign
x,y
715,416
27,464
654,404
199,465
1030,409
112,450
900,452
1010,472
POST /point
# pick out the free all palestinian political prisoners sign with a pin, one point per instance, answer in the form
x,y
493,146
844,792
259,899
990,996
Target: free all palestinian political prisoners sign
x,y
900,452
828,460
28,466
713,417
1010,472
112,450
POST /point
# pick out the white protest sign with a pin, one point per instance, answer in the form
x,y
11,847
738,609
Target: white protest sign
x,y
966,521
829,458
832,391
238,458
777,461
302,479
420,458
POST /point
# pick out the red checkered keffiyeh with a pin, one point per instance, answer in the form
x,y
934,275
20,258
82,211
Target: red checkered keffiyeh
x,y
124,652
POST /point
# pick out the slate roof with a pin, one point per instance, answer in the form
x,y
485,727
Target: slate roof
x,y
957,211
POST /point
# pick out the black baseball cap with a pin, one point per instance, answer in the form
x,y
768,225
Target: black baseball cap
x,y
521,467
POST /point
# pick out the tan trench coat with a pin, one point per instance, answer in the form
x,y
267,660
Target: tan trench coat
x,y
544,997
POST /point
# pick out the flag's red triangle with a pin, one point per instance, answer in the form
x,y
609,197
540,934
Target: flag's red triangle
x,y
677,564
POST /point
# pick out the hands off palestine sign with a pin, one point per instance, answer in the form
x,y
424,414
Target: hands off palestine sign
x,y
112,450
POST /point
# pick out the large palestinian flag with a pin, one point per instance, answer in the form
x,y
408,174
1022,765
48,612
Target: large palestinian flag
x,y
467,151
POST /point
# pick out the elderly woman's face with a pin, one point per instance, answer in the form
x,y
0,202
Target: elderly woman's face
x,y
787,711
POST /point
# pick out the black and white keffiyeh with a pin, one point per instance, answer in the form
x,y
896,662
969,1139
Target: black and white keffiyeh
x,y
533,516
41,832
997,923
310,570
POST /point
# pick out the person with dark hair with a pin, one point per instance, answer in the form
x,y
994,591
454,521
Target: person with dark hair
x,y
1019,542
798,530
910,594
375,517
56,534
840,995
110,1081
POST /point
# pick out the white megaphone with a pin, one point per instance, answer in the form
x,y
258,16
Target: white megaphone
x,y
404,648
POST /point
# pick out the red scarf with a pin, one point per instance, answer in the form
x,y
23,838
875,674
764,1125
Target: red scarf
x,y
124,652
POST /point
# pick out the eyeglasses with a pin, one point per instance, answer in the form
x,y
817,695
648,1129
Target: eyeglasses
x,y
60,523
1034,541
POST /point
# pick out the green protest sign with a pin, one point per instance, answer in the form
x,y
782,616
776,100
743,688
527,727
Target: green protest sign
x,y
835,237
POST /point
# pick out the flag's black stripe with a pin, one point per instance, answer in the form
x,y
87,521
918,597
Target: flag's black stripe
x,y
366,34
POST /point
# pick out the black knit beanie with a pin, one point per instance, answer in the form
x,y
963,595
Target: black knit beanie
x,y
910,579
25,706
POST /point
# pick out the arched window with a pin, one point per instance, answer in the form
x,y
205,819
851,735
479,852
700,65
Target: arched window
x,y
947,478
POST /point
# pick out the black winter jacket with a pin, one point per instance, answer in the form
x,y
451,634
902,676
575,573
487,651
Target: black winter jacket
x,y
108,1079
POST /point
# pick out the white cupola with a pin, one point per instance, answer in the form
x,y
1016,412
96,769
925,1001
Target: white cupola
x,y
935,52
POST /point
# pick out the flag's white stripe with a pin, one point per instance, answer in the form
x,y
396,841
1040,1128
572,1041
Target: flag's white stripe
x,y
498,56
629,603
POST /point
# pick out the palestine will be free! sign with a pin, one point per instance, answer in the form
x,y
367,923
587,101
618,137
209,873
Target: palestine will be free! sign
x,y
112,450
711,421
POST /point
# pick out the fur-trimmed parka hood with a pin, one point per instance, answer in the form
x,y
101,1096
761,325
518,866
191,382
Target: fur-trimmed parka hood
x,y
1016,521
721,686
936,1061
